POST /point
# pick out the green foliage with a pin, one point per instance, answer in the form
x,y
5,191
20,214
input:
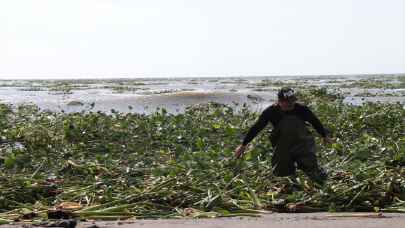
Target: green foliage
x,y
165,165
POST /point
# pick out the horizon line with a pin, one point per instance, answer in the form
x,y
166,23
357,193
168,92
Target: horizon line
x,y
194,76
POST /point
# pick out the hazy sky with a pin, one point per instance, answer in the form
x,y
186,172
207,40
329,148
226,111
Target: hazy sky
x,y
126,38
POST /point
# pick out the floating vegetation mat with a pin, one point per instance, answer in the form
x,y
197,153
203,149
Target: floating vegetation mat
x,y
120,166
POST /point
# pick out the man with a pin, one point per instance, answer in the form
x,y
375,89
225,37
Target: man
x,y
293,144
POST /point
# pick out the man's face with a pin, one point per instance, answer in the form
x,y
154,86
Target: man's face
x,y
286,105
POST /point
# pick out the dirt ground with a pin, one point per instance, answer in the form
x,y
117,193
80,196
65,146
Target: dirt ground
x,y
312,220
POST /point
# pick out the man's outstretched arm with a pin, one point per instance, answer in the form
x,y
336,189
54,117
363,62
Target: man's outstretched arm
x,y
253,131
259,125
316,123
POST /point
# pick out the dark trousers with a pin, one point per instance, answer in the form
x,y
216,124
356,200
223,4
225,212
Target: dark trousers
x,y
295,148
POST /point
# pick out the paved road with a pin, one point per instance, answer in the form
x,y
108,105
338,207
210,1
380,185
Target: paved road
x,y
310,220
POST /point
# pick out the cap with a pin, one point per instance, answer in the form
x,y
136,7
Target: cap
x,y
287,94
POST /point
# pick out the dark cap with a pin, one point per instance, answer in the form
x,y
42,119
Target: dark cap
x,y
287,94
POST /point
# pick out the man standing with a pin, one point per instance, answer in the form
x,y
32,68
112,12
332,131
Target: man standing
x,y
293,144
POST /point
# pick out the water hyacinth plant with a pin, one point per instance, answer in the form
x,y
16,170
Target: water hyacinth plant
x,y
126,165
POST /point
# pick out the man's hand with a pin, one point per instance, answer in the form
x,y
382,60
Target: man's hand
x,y
239,151
326,140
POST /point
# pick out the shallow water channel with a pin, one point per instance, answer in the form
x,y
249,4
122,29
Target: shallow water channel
x,y
174,95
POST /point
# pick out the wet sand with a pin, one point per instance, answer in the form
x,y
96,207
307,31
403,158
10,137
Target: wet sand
x,y
146,95
310,220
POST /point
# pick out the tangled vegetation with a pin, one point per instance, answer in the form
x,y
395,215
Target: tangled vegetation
x,y
118,166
